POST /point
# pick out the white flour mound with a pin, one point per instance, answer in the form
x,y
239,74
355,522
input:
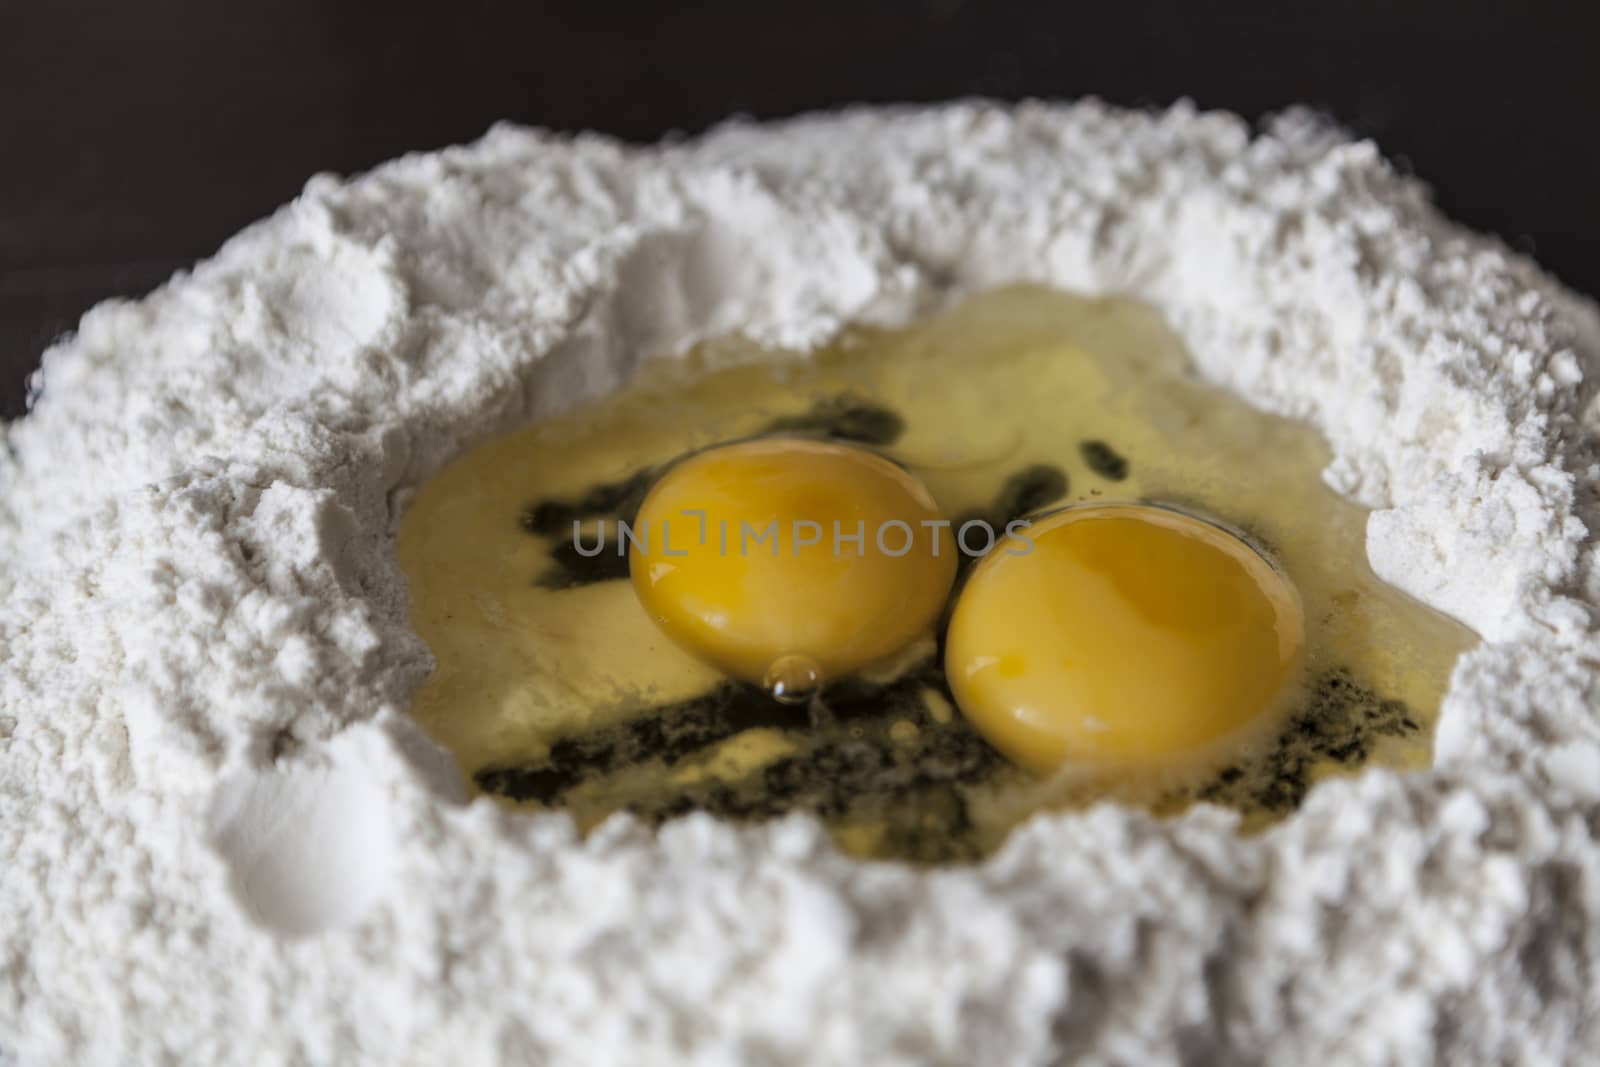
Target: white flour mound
x,y
223,841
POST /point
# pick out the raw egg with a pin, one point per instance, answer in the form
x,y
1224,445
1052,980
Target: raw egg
x,y
1153,648
788,562
1123,634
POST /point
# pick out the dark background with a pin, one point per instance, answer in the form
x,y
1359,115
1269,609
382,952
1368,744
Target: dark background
x,y
136,135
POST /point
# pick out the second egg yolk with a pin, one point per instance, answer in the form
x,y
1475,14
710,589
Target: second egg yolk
x,y
788,562
1121,634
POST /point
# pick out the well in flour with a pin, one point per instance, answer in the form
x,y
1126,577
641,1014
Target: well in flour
x,y
554,688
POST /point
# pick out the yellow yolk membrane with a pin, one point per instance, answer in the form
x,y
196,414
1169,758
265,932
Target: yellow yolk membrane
x,y
1122,634
790,562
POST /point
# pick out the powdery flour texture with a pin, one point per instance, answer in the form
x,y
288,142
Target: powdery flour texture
x,y
224,842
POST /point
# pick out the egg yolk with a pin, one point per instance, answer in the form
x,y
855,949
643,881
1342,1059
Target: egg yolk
x,y
1121,634
790,562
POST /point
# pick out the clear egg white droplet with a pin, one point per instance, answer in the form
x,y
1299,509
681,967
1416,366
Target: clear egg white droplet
x,y
793,679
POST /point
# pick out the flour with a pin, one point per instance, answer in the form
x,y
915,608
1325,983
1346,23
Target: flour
x,y
225,842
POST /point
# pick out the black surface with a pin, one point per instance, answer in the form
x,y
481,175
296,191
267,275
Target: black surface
x,y
138,135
